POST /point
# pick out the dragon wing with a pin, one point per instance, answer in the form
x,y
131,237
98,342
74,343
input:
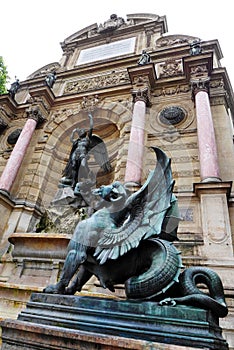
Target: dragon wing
x,y
151,211
99,150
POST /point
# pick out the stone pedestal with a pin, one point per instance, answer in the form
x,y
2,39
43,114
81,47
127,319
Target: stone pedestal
x,y
71,322
215,220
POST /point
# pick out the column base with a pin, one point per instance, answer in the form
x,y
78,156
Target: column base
x,y
211,179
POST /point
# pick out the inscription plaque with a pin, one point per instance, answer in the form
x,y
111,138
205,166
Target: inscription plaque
x,y
102,52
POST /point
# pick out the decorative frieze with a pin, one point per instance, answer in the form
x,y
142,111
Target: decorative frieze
x,y
97,82
172,90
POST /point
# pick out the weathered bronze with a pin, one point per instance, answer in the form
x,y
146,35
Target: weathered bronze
x,y
144,59
130,240
77,170
50,79
14,88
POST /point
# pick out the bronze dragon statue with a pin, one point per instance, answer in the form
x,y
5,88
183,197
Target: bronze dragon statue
x,y
130,241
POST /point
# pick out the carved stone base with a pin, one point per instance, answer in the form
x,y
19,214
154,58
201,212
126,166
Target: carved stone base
x,y
69,322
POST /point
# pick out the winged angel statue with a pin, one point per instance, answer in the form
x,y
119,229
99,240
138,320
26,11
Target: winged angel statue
x,y
83,146
130,240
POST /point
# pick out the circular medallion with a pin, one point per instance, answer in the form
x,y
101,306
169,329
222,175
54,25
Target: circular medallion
x,y
172,115
13,137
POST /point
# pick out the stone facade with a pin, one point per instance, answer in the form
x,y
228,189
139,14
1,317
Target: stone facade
x,y
185,104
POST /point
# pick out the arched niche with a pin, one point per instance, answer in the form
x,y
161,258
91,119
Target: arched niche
x,y
107,125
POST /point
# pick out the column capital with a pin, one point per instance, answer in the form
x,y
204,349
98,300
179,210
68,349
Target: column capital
x,y
34,112
141,95
200,84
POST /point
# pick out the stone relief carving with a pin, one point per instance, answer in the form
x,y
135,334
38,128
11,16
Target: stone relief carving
x,y
90,102
175,40
172,90
197,71
113,23
170,68
97,82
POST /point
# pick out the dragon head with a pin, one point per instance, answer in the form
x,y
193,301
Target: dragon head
x,y
111,193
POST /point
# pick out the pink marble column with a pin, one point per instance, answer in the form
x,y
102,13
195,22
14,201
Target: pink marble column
x,y
14,162
136,144
209,169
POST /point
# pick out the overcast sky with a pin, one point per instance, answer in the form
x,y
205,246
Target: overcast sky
x,y
31,30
